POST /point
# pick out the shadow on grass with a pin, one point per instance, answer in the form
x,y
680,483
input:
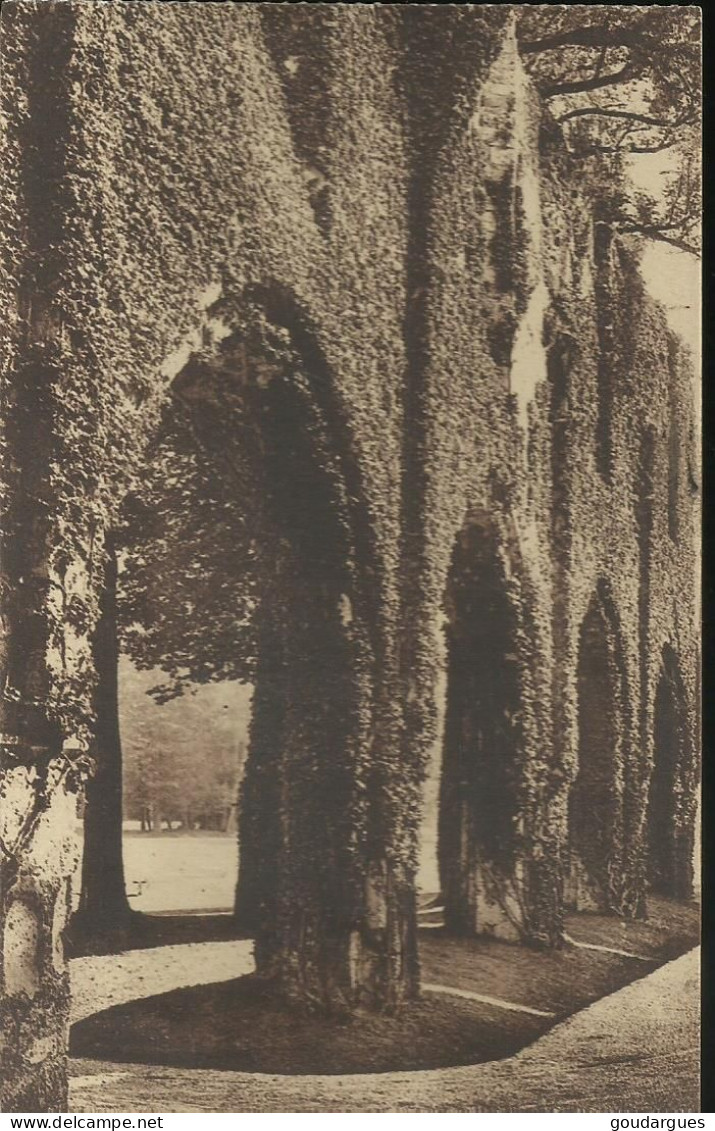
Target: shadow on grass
x,y
139,931
238,1025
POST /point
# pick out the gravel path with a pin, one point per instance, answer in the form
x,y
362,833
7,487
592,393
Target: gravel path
x,y
112,979
634,1051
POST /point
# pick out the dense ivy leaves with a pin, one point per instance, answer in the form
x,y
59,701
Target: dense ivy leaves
x,y
327,331
188,567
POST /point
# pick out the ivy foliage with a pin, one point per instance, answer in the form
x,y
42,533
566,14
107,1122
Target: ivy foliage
x,y
188,578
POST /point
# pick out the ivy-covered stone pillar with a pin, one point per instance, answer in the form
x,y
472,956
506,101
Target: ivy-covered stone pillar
x,y
325,888
44,590
39,753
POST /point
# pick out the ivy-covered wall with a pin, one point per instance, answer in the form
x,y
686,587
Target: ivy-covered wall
x,y
377,198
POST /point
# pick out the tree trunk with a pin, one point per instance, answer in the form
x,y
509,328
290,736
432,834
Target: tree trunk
x,y
259,794
103,900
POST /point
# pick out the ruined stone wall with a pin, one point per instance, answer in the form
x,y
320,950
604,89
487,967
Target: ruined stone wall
x,y
547,364
485,370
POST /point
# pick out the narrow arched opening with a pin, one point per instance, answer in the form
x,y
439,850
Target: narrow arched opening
x,y
595,803
315,888
482,738
668,853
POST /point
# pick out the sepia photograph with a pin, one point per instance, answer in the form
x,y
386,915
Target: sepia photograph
x,y
350,551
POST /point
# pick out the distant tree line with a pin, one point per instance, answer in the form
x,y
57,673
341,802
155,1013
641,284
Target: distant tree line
x,y
183,760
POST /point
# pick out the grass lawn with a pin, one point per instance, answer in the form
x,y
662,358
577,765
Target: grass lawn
x,y
197,871
237,1025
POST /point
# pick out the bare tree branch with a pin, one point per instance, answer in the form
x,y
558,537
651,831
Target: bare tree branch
x,y
630,115
621,147
652,233
592,35
661,56
627,72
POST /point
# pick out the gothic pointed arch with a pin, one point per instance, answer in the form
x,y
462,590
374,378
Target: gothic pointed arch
x,y
670,846
317,876
596,799
491,738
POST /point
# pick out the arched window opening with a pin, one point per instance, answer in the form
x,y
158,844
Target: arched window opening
x,y
318,863
261,414
595,806
478,801
667,851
